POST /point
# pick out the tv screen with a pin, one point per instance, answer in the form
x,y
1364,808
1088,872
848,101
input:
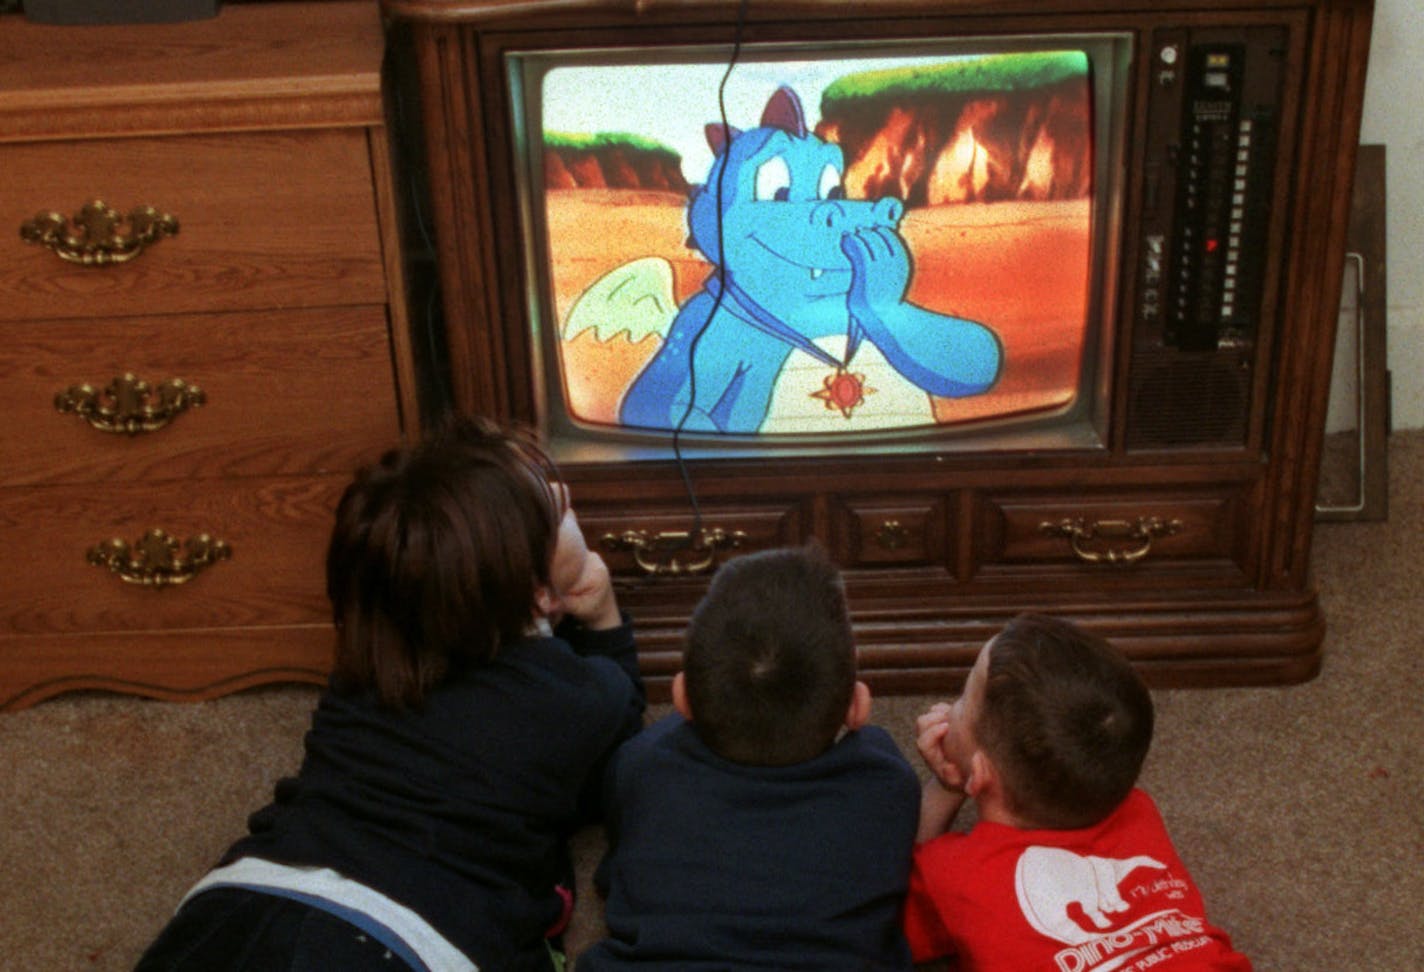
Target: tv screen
x,y
811,247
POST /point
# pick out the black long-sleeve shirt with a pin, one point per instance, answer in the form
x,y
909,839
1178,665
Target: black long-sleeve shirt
x,y
461,811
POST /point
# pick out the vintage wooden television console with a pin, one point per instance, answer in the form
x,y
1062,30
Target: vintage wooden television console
x,y
1159,489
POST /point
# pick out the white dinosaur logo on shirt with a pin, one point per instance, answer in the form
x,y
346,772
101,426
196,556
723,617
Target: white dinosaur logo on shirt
x,y
1048,880
1061,893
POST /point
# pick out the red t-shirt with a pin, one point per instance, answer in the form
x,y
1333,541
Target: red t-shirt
x,y
1109,898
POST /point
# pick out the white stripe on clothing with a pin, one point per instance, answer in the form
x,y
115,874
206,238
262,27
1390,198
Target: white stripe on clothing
x,y
328,885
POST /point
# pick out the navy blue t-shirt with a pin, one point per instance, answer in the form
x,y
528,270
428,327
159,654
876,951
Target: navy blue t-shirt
x,y
716,865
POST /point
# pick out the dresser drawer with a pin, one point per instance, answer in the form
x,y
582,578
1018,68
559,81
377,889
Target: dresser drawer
x,y
277,530
283,392
886,531
265,219
1121,534
656,541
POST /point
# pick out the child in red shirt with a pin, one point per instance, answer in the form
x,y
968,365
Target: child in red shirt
x,y
1069,868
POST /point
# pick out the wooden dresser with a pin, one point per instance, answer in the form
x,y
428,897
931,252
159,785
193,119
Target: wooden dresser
x,y
202,333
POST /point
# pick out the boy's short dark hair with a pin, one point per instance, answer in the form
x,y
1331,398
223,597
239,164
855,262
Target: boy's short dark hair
x,y
1066,720
769,666
435,557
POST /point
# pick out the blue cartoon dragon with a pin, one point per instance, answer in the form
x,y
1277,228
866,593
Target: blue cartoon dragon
x,y
796,261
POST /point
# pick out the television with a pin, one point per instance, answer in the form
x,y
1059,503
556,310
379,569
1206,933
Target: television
x,y
1010,307
960,162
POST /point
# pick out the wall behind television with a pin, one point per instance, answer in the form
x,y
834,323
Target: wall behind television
x,y
1393,118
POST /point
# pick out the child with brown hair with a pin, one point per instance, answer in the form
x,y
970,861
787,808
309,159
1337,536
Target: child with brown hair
x,y
764,824
483,676
1069,867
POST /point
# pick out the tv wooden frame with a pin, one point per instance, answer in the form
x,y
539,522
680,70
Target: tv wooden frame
x,y
1195,559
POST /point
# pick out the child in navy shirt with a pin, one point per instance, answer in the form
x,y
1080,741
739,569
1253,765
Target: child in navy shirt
x,y
764,824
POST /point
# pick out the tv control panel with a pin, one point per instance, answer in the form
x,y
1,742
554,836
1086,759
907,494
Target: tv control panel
x,y
1211,154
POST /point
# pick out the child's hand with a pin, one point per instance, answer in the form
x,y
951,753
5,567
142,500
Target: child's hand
x,y
591,598
937,714
945,794
932,726
581,585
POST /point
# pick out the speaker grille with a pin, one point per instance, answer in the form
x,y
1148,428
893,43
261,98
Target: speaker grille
x,y
1188,399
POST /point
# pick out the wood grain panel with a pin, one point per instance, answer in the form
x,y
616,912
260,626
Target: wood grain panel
x,y
266,220
1208,535
188,665
287,392
278,529
890,531
268,66
762,525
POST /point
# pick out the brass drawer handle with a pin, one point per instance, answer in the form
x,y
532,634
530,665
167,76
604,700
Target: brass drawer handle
x,y
892,535
130,405
100,235
657,553
1140,533
158,560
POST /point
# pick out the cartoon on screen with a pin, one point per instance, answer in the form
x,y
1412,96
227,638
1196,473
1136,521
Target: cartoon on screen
x,y
880,268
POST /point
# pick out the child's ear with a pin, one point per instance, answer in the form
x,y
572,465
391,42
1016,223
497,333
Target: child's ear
x,y
982,774
859,712
545,601
679,697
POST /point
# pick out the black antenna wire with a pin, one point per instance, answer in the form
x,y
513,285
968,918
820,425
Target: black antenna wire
x,y
719,269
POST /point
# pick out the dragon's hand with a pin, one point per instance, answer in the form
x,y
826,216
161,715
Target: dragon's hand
x,y
879,274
